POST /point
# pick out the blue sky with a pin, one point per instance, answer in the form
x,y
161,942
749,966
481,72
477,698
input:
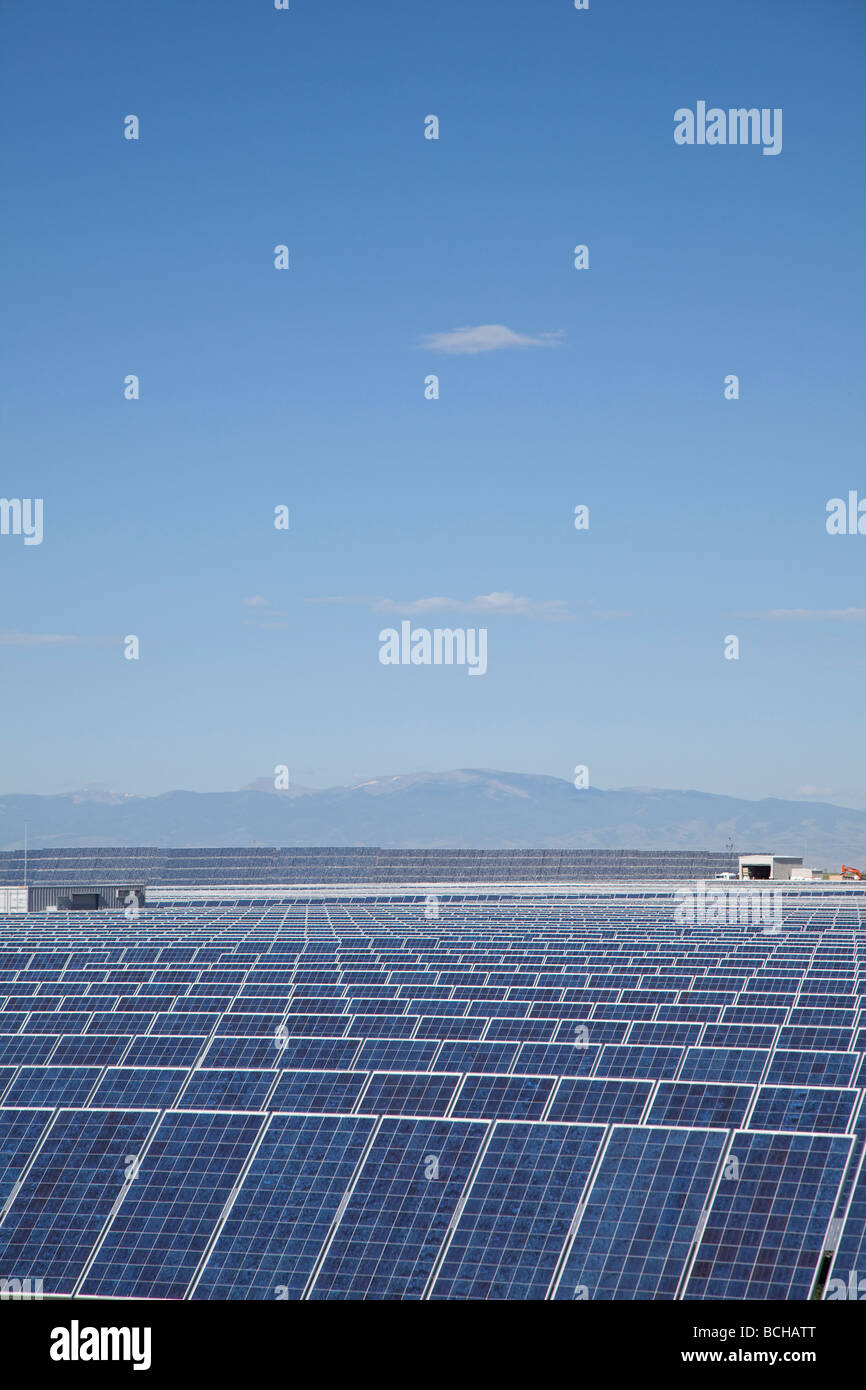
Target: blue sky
x,y
306,388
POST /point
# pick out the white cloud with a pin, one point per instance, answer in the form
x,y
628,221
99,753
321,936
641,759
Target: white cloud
x,y
821,792
35,639
820,615
487,337
501,604
255,602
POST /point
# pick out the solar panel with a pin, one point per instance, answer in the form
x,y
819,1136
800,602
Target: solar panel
x,y
707,1105
139,1088
789,1068
399,1210
587,1100
68,1194
69,1086
20,1131
640,1217
518,1211
225,1088
408,1093
638,1061
741,1064
767,1221
280,1219
170,1211
503,1097
816,1109
318,1091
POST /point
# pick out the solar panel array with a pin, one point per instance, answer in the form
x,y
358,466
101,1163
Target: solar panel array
x,y
520,1098
365,863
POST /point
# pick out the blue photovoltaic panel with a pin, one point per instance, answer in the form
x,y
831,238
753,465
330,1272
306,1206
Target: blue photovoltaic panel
x,y
408,1093
663,1034
226,1089
139,1088
171,1210
754,1035
279,1221
723,1064
700,1104
592,1100
653,1062
556,1059
517,1030
848,1272
78,1051
641,1214
183,1023
788,1068
68,1194
400,1209
319,1091
818,1110
816,1039
164,1052
23,1048
476,1056
592,1030
20,1131
518,1211
765,1229
503,1097
388,1026
457,1028
398,1054
52,1086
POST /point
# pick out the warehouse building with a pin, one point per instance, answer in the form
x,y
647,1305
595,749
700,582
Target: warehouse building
x,y
81,897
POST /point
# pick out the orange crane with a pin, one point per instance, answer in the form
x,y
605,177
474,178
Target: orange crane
x,y
848,872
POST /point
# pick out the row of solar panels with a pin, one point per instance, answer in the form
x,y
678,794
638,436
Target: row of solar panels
x,y
323,865
520,1095
124,1203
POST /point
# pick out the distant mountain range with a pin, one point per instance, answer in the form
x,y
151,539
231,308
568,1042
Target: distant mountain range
x,y
466,809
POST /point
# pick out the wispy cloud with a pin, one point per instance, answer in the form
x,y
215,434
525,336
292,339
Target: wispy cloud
x,y
504,604
820,792
262,615
487,337
817,615
36,639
